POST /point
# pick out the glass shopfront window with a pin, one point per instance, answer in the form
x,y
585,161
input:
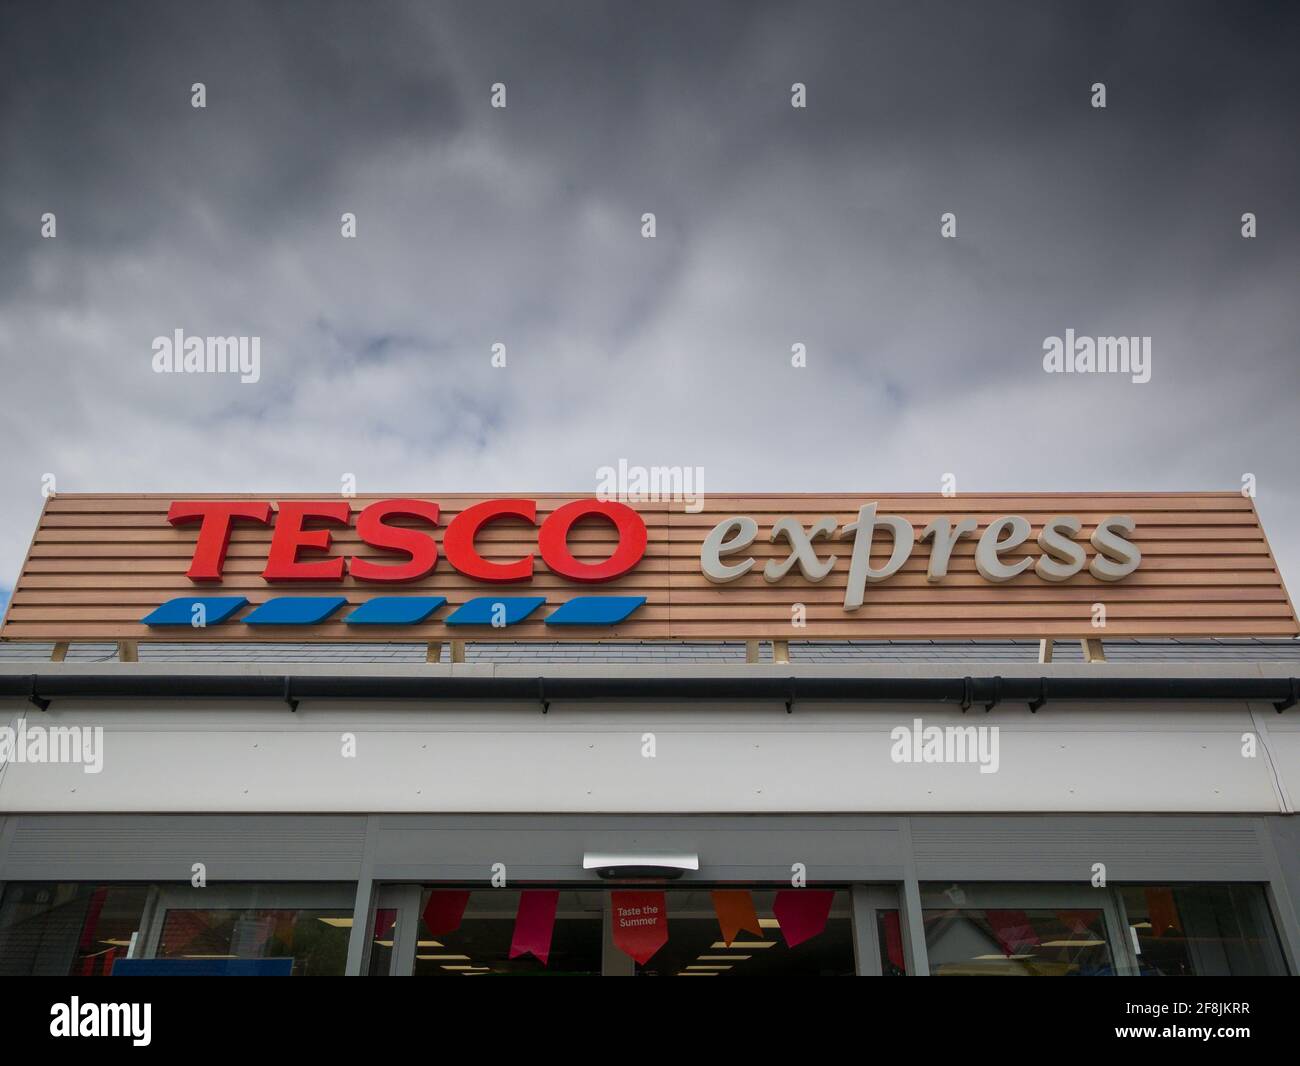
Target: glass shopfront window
x,y
1014,931
80,929
1016,943
1202,930
316,940
1008,929
652,931
67,929
304,926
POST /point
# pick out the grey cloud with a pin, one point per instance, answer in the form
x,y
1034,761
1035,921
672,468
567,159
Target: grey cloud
x,y
775,226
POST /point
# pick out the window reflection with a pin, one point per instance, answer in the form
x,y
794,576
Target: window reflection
x,y
1016,943
1203,930
85,929
67,929
316,940
382,940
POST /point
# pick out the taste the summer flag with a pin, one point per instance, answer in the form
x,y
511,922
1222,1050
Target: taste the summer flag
x,y
640,923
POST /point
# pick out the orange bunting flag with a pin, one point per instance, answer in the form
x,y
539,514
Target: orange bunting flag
x,y
1163,911
735,911
1078,922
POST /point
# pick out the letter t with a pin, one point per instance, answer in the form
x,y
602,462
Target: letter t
x,y
217,517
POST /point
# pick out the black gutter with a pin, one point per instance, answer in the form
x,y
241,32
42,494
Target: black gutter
x,y
968,691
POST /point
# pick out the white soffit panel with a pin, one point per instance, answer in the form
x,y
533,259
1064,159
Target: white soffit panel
x,y
717,758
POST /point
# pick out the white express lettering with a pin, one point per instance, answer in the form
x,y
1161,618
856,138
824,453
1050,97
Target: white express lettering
x,y
999,551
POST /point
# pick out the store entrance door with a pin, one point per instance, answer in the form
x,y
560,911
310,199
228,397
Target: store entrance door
x,y
648,930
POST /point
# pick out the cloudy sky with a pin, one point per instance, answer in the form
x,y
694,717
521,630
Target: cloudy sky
x,y
775,226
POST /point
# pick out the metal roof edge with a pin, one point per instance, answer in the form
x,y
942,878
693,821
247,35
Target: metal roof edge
x,y
658,671
988,689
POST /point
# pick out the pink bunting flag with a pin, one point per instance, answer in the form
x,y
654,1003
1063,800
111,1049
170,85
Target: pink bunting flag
x,y
802,913
534,923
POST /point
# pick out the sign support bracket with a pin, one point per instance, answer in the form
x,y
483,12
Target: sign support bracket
x,y
1093,652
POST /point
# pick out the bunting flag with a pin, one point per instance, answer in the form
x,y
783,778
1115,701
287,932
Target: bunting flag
x,y
1013,930
640,921
385,922
182,930
534,923
1078,922
735,911
91,924
894,941
282,926
443,912
802,913
1162,911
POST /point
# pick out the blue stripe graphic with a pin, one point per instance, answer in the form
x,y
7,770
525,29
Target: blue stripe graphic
x,y
282,967
295,610
180,611
594,610
479,611
395,610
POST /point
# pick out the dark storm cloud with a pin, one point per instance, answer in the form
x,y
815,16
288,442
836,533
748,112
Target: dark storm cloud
x,y
97,109
775,225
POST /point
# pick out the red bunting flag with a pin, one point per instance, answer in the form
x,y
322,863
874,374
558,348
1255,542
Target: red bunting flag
x,y
640,922
1013,931
534,923
894,941
735,911
385,922
802,913
445,909
93,912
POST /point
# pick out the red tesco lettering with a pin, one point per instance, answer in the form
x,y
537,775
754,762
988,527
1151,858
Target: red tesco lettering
x,y
302,539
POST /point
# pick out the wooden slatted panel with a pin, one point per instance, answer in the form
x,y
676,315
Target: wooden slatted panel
x,y
99,563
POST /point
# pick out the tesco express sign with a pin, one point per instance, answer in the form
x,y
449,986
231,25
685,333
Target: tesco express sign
x,y
999,550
